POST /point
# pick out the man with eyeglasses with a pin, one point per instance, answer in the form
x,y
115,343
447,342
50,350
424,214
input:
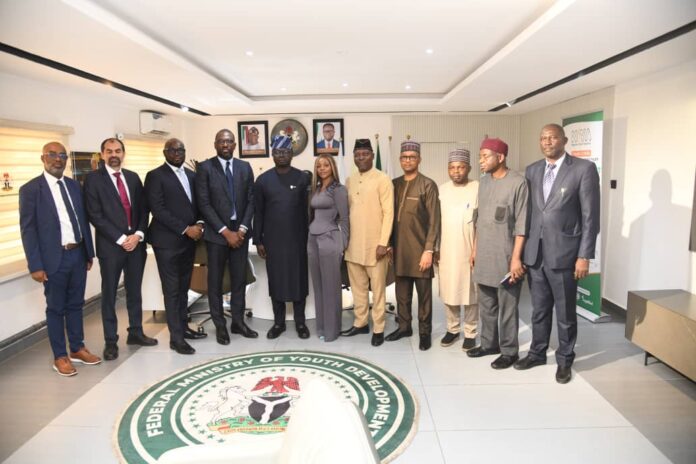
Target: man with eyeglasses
x,y
371,210
501,224
58,246
415,235
173,232
116,206
225,199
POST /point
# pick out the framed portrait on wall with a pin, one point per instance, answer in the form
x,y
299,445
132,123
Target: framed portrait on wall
x,y
253,139
328,137
83,162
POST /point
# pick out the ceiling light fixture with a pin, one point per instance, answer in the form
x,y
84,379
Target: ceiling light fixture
x,y
345,84
184,108
429,51
283,89
408,87
249,53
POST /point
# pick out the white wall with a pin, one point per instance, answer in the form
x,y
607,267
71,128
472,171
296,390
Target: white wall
x,y
94,115
653,159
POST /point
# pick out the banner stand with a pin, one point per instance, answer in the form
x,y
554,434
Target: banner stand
x,y
592,317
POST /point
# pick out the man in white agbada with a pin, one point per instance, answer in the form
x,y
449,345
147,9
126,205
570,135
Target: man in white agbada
x,y
458,205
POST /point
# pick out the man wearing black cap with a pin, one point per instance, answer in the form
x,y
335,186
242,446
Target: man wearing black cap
x,y
281,228
415,234
371,209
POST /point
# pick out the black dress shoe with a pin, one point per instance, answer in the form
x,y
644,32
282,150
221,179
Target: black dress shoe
x,y
425,343
399,334
377,339
504,361
302,331
478,352
181,347
191,334
449,339
110,351
355,331
222,336
275,331
243,330
528,362
140,339
563,374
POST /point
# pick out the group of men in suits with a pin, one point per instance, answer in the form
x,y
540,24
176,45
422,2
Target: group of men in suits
x,y
552,238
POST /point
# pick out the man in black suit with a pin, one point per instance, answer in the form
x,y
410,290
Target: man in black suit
x,y
564,223
116,207
225,196
173,233
58,245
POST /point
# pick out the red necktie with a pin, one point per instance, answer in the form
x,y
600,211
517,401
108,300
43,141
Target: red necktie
x,y
124,197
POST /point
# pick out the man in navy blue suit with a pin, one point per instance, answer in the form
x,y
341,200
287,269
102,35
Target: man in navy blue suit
x,y
58,246
225,197
328,144
173,233
116,206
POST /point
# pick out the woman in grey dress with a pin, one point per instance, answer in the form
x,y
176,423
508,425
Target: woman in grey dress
x,y
328,238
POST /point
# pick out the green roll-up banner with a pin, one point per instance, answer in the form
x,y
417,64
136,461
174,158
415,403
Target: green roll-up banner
x,y
585,137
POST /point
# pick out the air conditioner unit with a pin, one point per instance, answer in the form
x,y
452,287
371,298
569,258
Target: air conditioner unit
x,y
154,123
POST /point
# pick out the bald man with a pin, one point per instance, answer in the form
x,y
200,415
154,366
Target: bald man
x,y
58,246
173,233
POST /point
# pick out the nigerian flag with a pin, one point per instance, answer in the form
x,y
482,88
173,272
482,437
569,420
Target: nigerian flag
x,y
378,164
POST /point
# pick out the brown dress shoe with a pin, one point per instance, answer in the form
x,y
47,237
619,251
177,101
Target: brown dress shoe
x,y
64,367
85,357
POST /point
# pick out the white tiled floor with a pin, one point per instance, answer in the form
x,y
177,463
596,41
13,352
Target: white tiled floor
x,y
468,411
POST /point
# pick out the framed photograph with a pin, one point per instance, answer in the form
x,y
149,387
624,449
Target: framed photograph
x,y
84,162
295,130
253,139
328,137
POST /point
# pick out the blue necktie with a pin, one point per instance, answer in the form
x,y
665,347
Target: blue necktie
x,y
548,181
71,212
230,187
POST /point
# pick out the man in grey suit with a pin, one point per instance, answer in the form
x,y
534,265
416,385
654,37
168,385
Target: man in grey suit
x,y
225,198
564,223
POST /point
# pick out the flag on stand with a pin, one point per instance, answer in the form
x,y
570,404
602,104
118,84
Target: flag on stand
x,y
378,164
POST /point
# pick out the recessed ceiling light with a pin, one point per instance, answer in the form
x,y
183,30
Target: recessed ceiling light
x,y
345,84
408,87
283,89
249,53
184,108
429,51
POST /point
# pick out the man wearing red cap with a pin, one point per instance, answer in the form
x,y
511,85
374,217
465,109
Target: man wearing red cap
x,y
500,233
562,234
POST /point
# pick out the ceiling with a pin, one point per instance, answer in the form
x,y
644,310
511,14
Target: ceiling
x,y
318,56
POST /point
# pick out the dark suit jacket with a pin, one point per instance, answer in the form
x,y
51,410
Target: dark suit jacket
x,y
334,144
105,211
569,220
214,203
40,226
171,209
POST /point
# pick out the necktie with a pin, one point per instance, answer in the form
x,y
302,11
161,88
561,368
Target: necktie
x,y
184,182
124,198
71,212
230,187
548,180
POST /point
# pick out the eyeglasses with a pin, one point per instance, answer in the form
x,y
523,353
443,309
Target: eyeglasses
x,y
53,155
408,158
180,151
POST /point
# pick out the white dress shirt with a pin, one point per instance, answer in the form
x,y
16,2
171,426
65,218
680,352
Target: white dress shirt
x,y
66,231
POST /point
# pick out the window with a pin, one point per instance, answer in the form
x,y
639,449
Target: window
x,y
143,155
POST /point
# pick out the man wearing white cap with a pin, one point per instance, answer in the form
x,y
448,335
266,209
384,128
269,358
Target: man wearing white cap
x,y
458,206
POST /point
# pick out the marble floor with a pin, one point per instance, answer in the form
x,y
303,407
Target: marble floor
x,y
615,410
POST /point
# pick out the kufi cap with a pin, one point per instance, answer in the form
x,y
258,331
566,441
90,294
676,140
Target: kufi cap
x,y
495,145
410,145
459,155
362,144
281,142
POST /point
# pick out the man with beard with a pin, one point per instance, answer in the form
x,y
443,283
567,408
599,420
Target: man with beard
x,y
458,203
415,234
225,198
371,211
500,232
281,227
173,233
58,245
116,207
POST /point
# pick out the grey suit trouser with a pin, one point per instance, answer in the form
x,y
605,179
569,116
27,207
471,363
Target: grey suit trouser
x,y
498,307
324,255
553,288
